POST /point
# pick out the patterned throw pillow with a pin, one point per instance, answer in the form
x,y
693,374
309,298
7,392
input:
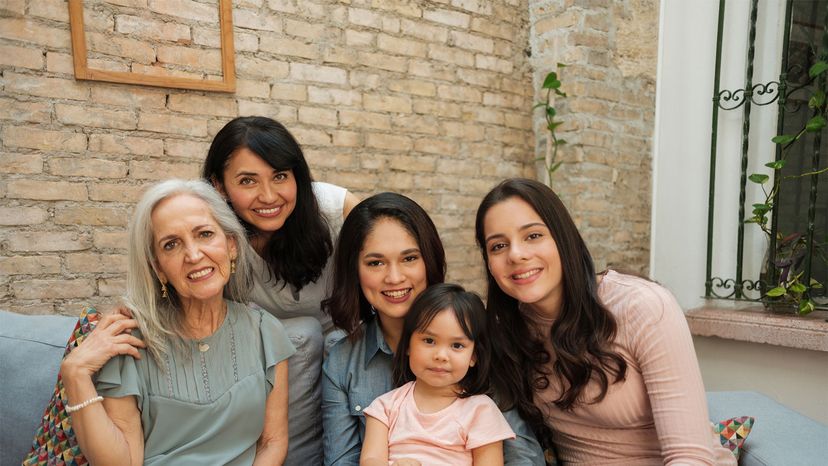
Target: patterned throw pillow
x,y
55,442
733,432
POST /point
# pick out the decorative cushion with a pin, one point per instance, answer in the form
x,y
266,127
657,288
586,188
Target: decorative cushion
x,y
733,432
55,442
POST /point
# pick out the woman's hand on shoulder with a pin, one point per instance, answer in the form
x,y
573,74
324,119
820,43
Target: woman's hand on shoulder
x,y
350,202
110,338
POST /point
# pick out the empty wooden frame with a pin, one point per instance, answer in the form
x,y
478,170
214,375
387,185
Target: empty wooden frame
x,y
228,62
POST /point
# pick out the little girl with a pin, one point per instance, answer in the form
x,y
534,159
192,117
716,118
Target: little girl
x,y
440,414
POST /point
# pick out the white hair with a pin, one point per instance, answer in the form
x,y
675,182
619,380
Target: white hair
x,y
159,318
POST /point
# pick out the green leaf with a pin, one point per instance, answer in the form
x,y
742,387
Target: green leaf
x,y
815,284
760,209
798,288
806,307
816,100
776,292
552,126
758,178
539,104
560,93
554,167
815,124
560,142
776,165
538,159
561,65
818,68
551,112
551,79
783,139
752,220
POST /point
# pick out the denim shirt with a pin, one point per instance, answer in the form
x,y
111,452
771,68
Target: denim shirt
x,y
354,374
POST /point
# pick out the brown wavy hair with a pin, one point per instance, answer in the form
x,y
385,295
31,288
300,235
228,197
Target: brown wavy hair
x,y
583,335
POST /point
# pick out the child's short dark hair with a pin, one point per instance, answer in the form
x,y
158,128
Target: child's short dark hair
x,y
471,314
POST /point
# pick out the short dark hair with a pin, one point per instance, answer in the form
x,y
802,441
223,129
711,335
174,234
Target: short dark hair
x,y
297,252
468,308
347,305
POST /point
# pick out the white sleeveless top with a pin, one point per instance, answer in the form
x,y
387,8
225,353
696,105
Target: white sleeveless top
x,y
281,299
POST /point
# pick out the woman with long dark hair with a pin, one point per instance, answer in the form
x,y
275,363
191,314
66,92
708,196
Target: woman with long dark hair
x,y
387,254
292,224
606,361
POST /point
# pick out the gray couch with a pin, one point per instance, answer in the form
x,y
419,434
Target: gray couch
x,y
31,348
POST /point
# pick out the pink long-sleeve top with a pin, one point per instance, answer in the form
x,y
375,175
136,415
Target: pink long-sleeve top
x,y
658,414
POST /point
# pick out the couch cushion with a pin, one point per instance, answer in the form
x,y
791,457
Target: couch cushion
x,y
31,348
780,436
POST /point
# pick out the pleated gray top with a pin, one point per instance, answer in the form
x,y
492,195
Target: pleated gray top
x,y
209,407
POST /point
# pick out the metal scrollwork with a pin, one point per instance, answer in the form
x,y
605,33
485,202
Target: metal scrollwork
x,y
759,94
730,284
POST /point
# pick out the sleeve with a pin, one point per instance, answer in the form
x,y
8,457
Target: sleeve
x,y
524,449
331,199
340,430
661,345
119,378
485,423
276,345
380,408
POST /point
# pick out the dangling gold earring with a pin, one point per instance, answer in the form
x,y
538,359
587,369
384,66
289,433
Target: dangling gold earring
x,y
232,266
164,290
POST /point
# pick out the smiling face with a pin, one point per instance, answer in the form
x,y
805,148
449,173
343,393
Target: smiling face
x,y
440,355
522,256
192,252
391,269
261,195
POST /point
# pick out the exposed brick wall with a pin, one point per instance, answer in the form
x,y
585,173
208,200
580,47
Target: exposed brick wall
x,y
610,48
428,98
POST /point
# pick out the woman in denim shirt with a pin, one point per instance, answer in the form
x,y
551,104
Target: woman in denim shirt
x,y
388,252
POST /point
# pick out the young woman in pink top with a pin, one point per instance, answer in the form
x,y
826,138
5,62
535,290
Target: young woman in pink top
x,y
606,360
440,414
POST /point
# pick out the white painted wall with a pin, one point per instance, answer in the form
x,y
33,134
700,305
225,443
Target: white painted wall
x,y
681,158
796,378
687,44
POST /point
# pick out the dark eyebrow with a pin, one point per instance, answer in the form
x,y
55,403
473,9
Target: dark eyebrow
x,y
403,253
245,174
524,227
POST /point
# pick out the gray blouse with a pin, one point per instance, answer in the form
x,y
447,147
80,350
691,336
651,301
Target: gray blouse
x,y
208,408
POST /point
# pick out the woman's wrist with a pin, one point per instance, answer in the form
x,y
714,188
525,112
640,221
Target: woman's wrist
x,y
70,370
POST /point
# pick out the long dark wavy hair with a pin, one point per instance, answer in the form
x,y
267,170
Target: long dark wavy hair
x,y
583,334
347,305
297,252
468,308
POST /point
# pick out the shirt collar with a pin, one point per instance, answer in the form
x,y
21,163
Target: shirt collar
x,y
374,341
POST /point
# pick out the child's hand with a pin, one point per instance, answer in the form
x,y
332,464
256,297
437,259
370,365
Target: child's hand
x,y
406,462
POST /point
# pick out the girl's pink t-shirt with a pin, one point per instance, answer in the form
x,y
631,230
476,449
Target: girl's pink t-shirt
x,y
445,437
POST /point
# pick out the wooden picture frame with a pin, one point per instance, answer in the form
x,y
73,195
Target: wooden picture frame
x,y
228,61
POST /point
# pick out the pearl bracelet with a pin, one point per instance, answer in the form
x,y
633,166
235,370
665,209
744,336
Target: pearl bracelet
x,y
72,409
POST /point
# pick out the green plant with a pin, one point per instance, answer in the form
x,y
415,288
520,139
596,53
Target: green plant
x,y
791,249
552,85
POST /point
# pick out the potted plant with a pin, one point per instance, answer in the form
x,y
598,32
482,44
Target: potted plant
x,y
784,277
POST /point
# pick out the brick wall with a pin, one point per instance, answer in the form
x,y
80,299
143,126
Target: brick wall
x,y
430,99
610,48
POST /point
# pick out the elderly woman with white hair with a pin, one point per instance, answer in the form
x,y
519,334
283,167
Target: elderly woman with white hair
x,y
206,380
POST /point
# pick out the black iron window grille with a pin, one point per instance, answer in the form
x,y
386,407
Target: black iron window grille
x,y
798,223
